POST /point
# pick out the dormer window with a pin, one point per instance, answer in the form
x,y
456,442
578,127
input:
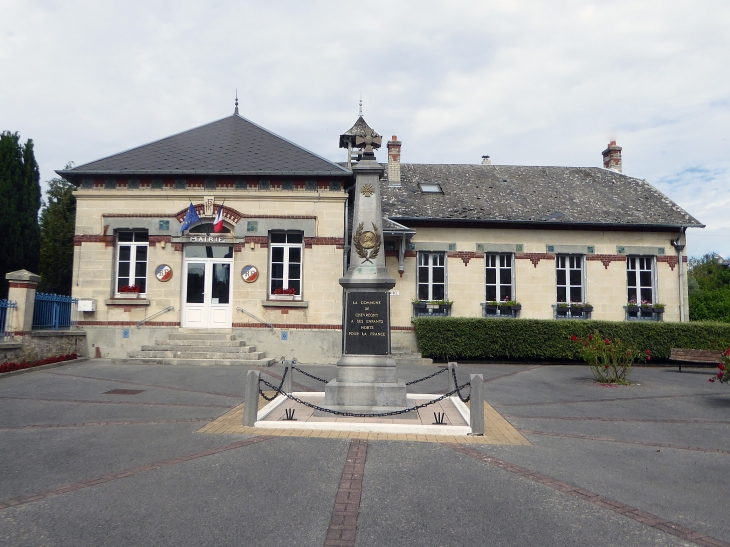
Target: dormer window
x,y
430,188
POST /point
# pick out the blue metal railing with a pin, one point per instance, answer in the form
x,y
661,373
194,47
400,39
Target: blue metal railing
x,y
7,307
54,312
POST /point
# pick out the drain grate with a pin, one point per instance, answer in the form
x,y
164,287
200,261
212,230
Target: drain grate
x,y
123,392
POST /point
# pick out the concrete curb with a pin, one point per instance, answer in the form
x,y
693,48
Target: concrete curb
x,y
43,367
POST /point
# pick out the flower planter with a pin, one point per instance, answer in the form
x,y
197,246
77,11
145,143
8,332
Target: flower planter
x,y
576,311
516,308
562,311
658,310
490,310
505,310
587,309
632,309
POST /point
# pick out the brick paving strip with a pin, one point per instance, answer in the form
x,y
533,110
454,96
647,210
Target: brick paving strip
x,y
600,419
609,440
138,403
628,511
145,385
343,522
96,424
4,504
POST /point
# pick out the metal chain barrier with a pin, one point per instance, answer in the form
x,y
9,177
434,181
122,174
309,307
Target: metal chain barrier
x,y
458,389
307,374
427,377
358,415
276,389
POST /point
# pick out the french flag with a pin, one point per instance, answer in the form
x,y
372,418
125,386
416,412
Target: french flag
x,y
218,222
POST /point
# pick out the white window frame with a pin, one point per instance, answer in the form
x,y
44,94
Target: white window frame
x,y
132,261
567,262
498,267
430,281
286,246
641,261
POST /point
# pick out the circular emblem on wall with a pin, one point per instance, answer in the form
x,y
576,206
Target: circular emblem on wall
x,y
163,272
250,274
367,240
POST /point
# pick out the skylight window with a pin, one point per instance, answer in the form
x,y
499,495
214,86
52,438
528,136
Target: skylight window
x,y
430,188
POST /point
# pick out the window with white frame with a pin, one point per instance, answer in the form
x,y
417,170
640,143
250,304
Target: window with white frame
x,y
431,276
285,277
640,279
131,268
499,278
570,278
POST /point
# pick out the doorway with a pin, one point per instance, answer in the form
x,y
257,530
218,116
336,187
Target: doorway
x,y
207,292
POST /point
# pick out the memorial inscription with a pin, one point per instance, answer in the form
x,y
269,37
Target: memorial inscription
x,y
367,324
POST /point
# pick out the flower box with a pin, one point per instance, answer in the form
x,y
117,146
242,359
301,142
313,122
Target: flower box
x,y
438,309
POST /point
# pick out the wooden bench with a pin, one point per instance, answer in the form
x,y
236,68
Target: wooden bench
x,y
705,356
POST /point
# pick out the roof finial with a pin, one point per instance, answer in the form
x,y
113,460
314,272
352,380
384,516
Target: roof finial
x,y
361,103
236,111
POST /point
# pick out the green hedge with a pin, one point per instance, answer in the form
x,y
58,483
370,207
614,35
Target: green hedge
x,y
480,338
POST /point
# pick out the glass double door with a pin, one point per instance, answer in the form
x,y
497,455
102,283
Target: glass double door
x,y
208,288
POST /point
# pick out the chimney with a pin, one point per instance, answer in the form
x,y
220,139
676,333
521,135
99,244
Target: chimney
x,y
486,160
394,162
612,157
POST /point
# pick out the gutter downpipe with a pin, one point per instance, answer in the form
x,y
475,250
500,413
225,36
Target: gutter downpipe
x,y
679,247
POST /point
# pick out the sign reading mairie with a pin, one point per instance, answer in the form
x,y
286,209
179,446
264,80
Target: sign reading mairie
x,y
367,323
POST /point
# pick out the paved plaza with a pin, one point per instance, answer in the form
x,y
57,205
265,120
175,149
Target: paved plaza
x,y
102,454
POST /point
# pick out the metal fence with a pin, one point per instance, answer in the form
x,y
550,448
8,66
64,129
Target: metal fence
x,y
7,307
54,312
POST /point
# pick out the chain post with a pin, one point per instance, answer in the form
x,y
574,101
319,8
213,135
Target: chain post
x,y
476,410
251,402
452,370
287,386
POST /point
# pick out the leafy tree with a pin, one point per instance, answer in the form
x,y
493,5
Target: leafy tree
x,y
709,290
19,203
57,221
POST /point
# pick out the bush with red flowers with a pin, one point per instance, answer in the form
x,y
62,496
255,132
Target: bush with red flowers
x,y
9,366
285,291
724,374
610,361
130,289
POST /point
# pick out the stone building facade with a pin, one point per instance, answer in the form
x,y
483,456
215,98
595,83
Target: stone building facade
x,y
455,237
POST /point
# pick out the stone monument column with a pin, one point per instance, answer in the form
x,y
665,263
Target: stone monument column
x,y
366,375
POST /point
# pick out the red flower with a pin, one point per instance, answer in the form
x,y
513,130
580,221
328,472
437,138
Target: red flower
x,y
720,375
574,338
648,357
727,352
608,342
721,366
648,352
712,379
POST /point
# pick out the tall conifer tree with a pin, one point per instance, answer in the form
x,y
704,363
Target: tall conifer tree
x,y
57,222
19,204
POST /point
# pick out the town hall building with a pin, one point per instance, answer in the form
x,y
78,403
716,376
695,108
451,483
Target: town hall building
x,y
271,227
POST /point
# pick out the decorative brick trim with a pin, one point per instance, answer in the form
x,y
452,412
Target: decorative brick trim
x,y
177,247
154,240
262,241
128,323
607,259
237,247
403,328
671,260
535,258
338,242
410,254
465,256
229,213
22,285
108,241
298,326
140,215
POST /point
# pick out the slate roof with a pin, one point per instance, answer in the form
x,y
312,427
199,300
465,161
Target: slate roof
x,y
231,146
525,194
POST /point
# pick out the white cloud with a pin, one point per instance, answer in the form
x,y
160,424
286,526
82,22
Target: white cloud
x,y
531,83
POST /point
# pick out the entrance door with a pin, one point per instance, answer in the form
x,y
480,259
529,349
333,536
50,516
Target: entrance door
x,y
208,287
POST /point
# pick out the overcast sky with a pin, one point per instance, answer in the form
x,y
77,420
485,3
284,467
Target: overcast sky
x,y
526,82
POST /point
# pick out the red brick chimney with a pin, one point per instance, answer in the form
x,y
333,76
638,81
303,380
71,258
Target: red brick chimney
x,y
394,162
612,157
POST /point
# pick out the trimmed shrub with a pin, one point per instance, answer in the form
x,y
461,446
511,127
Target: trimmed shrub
x,y
534,339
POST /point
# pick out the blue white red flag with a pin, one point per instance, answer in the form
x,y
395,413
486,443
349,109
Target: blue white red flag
x,y
218,222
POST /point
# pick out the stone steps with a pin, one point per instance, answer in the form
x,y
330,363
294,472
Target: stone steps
x,y
265,362
200,349
404,356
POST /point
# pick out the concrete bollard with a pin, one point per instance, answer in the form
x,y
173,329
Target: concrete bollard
x,y
476,405
452,367
251,402
286,388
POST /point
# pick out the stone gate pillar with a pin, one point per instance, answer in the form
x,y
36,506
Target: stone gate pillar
x,y
22,291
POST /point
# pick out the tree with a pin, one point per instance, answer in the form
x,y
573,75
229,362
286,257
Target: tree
x,y
709,290
57,222
19,204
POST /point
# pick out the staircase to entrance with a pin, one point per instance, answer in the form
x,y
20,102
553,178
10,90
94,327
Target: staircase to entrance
x,y
201,347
